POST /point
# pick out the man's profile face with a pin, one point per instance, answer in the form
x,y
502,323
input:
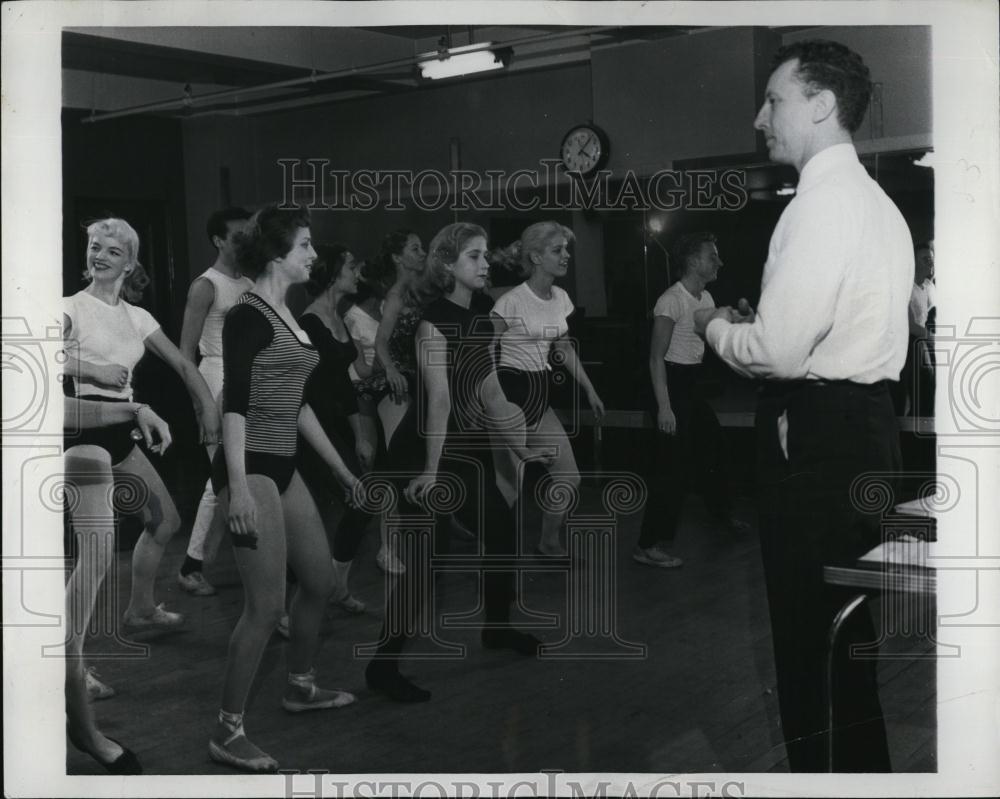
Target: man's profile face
x,y
708,262
233,227
785,118
924,264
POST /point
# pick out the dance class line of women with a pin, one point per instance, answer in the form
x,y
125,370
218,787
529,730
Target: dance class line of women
x,y
398,365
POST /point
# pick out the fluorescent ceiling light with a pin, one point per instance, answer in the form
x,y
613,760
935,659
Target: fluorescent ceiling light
x,y
460,61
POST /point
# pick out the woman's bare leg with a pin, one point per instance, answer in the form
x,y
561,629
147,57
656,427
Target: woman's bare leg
x,y
262,571
551,437
88,470
391,413
160,522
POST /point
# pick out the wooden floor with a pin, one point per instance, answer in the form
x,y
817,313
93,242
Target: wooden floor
x,y
701,699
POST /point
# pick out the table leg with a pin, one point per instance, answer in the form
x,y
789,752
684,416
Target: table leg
x,y
839,620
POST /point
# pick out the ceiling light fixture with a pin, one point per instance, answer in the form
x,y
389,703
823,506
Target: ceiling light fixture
x,y
448,63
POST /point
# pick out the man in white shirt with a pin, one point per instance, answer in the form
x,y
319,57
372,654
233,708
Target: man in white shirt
x,y
690,448
829,334
211,295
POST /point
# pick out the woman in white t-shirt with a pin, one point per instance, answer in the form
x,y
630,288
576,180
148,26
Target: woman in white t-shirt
x,y
106,337
530,322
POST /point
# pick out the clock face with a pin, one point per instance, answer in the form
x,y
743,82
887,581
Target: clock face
x,y
584,149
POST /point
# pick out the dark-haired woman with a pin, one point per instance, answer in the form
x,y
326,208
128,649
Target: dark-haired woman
x,y
267,360
400,266
362,317
330,393
106,337
457,375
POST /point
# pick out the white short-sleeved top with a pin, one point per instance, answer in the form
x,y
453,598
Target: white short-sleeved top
x,y
106,335
532,325
921,301
363,329
679,304
227,291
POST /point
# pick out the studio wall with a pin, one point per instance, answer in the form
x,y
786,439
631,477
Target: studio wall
x,y
677,98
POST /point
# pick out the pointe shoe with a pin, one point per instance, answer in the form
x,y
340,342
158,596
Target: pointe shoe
x,y
388,562
195,583
656,556
389,681
303,694
96,690
159,619
232,748
350,603
341,596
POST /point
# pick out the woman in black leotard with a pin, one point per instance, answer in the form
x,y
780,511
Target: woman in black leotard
x,y
267,360
330,393
400,266
455,365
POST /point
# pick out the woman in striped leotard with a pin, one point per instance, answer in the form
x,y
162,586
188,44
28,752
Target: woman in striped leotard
x,y
273,520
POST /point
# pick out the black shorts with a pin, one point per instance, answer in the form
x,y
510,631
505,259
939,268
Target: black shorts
x,y
279,468
528,390
116,439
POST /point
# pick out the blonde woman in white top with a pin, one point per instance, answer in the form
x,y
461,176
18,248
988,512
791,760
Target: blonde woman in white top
x,y
530,323
106,338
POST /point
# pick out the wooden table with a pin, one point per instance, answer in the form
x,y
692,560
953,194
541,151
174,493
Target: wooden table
x,y
897,565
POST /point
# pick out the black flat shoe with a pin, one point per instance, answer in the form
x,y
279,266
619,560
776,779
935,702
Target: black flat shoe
x,y
394,685
126,763
509,638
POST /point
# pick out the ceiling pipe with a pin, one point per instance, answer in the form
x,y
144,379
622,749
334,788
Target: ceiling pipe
x,y
189,102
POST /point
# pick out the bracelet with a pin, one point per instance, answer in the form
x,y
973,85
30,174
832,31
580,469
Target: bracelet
x,y
138,408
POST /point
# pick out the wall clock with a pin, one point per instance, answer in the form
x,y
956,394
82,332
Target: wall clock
x,y
585,149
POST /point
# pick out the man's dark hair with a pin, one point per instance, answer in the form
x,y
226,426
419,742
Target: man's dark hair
x,y
685,247
830,65
216,225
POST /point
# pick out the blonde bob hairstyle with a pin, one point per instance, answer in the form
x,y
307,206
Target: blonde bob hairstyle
x,y
136,278
444,250
535,238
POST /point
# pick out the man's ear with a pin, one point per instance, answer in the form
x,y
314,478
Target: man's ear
x,y
824,104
